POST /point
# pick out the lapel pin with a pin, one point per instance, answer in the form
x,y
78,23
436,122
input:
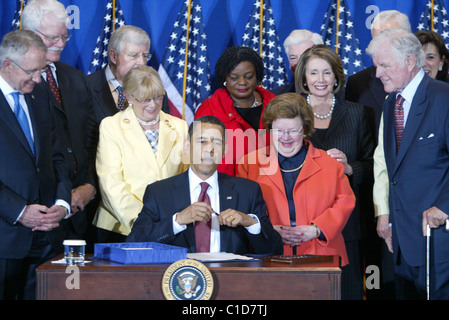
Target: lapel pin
x,y
229,197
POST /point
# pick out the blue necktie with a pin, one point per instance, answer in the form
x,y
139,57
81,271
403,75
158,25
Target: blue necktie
x,y
121,98
22,119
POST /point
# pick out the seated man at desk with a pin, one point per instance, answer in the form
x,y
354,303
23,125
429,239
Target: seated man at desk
x,y
229,215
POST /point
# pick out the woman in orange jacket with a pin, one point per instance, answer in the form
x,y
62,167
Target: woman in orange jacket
x,y
308,196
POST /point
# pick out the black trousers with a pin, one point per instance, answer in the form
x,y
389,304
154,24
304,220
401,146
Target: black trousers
x,y
18,276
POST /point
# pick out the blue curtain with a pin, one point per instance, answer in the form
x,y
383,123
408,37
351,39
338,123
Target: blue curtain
x,y
224,22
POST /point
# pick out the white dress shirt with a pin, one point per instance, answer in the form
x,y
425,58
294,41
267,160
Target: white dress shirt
x,y
214,196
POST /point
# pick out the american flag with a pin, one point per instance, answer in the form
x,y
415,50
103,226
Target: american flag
x,y
434,17
113,19
17,19
338,33
185,66
268,47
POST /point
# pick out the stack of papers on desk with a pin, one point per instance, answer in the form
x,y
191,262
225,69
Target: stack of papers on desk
x,y
218,257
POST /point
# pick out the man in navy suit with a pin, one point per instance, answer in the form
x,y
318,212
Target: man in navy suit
x,y
35,189
412,162
235,211
73,109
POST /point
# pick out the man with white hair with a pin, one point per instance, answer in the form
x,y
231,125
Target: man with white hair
x,y
363,87
414,140
295,44
128,48
73,108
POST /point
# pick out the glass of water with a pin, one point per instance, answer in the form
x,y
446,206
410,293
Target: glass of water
x,y
74,251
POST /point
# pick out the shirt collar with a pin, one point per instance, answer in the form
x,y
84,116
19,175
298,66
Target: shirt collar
x,y
194,180
111,78
409,91
5,87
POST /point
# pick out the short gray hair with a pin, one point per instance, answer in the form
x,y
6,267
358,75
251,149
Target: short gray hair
x,y
299,36
35,11
16,44
403,43
389,16
130,34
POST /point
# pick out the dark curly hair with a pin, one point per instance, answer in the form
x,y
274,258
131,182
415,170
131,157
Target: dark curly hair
x,y
232,57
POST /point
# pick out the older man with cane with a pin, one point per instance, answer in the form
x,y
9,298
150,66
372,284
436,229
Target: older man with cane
x,y
412,160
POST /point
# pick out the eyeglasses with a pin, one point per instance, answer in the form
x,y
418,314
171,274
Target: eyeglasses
x,y
157,100
135,55
292,133
55,39
30,74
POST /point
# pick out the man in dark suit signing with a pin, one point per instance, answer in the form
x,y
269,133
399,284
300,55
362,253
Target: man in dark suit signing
x,y
412,162
229,217
35,189
73,108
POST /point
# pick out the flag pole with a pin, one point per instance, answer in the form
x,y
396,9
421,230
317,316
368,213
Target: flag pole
x,y
431,15
184,85
338,18
21,11
261,29
113,15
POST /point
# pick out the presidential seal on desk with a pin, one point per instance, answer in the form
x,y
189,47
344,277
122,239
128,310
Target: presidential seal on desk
x,y
187,279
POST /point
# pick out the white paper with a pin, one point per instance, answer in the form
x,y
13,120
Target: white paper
x,y
217,256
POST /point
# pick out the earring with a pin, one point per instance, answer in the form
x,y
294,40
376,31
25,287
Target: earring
x,y
440,68
224,84
336,84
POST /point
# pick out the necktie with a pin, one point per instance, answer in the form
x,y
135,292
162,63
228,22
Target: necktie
x,y
22,119
202,230
399,120
152,136
52,84
121,98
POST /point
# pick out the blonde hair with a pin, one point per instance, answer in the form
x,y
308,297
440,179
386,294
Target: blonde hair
x,y
143,83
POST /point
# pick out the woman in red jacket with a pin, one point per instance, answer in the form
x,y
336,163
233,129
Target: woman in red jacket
x,y
240,103
308,196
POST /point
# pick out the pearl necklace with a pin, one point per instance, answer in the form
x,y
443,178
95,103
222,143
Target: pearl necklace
x,y
149,123
322,117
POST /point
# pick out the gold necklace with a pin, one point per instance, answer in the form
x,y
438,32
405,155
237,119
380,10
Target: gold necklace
x,y
293,170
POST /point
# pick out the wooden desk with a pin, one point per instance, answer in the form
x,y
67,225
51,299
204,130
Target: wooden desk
x,y
250,280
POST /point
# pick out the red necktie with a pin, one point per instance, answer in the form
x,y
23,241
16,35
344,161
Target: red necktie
x,y
202,230
399,120
52,84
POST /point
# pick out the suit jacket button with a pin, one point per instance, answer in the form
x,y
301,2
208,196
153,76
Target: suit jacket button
x,y
69,150
394,182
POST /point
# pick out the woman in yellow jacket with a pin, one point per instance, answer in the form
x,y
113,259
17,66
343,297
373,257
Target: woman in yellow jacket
x,y
308,196
137,146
